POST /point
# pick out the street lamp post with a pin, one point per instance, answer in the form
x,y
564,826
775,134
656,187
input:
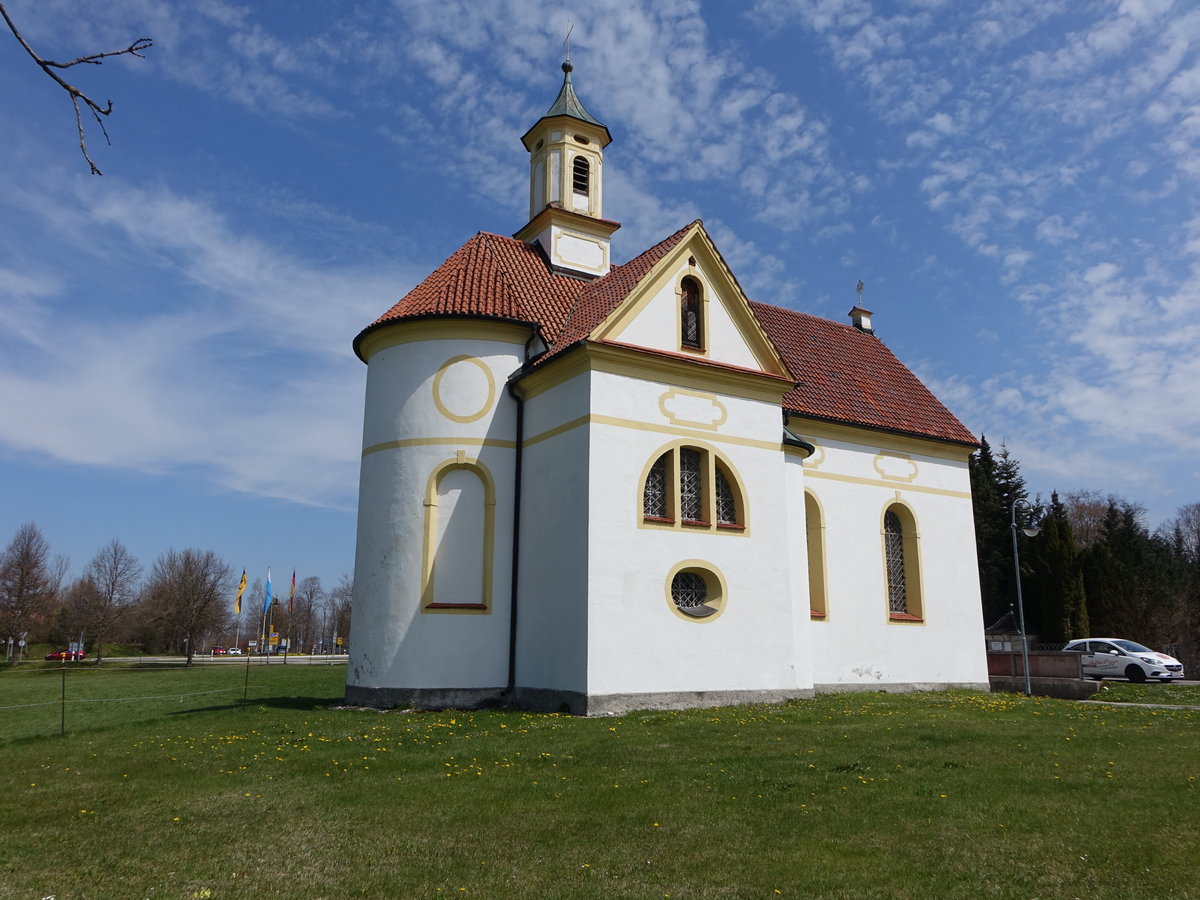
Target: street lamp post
x,y
1030,531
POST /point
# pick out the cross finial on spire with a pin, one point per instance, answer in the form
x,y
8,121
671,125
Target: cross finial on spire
x,y
567,43
860,290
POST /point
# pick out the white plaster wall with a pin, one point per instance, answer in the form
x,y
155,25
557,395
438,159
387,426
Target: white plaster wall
x,y
656,326
399,399
793,468
636,642
393,643
857,644
552,615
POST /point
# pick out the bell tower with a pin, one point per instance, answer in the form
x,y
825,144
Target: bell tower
x,y
566,177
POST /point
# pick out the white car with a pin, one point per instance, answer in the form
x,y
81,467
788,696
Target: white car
x,y
1118,658
234,651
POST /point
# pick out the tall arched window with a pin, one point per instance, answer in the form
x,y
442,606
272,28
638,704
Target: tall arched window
x,y
902,567
893,546
691,323
814,530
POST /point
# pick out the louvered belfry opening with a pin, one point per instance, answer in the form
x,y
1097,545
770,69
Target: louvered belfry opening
x,y
580,175
893,543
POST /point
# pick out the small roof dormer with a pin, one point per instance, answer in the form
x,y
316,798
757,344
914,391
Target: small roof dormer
x,y
566,160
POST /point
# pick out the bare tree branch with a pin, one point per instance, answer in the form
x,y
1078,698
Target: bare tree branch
x,y
93,59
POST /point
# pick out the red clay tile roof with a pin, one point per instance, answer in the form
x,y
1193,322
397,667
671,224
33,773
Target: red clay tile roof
x,y
844,375
491,277
599,298
847,376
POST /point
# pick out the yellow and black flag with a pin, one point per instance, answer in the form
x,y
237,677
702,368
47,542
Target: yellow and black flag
x,y
237,603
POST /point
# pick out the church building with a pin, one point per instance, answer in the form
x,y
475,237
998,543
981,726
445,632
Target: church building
x,y
592,488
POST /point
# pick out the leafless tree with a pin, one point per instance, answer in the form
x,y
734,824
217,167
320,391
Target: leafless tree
x,y
341,603
1087,510
1187,523
187,592
108,588
305,605
29,582
51,68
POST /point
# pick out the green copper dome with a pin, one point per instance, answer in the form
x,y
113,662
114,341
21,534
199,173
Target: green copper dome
x,y
567,104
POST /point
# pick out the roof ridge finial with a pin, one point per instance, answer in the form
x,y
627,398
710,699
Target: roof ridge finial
x,y
566,66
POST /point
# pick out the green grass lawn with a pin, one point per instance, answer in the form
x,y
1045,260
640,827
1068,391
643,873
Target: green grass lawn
x,y
1170,694
853,795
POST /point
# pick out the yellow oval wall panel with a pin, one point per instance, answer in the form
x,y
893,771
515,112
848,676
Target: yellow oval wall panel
x,y
464,389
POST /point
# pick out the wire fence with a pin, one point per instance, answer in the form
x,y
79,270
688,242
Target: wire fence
x,y
37,700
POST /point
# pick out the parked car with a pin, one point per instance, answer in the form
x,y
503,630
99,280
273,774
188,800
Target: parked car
x,y
1119,658
219,651
66,654
234,651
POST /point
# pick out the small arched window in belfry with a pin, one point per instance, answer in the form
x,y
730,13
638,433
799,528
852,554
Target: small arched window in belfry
x,y
691,327
691,491
893,541
580,174
654,494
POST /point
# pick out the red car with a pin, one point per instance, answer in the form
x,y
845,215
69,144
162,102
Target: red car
x,y
219,651
66,654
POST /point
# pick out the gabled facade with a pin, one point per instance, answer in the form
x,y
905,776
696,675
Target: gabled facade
x,y
595,488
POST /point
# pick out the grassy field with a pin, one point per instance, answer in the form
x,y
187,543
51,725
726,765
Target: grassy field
x,y
852,795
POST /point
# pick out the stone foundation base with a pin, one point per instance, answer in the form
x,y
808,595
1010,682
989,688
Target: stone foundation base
x,y
579,704
900,687
548,700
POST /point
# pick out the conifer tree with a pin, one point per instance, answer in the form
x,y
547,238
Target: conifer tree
x,y
1055,600
991,534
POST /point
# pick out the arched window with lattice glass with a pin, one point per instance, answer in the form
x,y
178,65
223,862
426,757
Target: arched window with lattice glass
x,y
691,486
893,542
691,322
726,504
902,562
654,493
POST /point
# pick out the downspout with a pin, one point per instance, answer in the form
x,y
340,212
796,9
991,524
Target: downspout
x,y
510,688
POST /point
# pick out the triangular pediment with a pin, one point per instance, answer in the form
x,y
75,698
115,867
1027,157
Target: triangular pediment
x,y
649,315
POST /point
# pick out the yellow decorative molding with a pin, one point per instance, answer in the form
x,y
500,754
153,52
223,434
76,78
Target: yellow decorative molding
x,y
406,331
679,397
874,437
714,580
556,430
648,365
914,488
428,551
890,465
464,418
715,277
437,442
631,424
683,432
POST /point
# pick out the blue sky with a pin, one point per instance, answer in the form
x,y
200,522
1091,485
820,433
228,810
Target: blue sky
x,y
1015,182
